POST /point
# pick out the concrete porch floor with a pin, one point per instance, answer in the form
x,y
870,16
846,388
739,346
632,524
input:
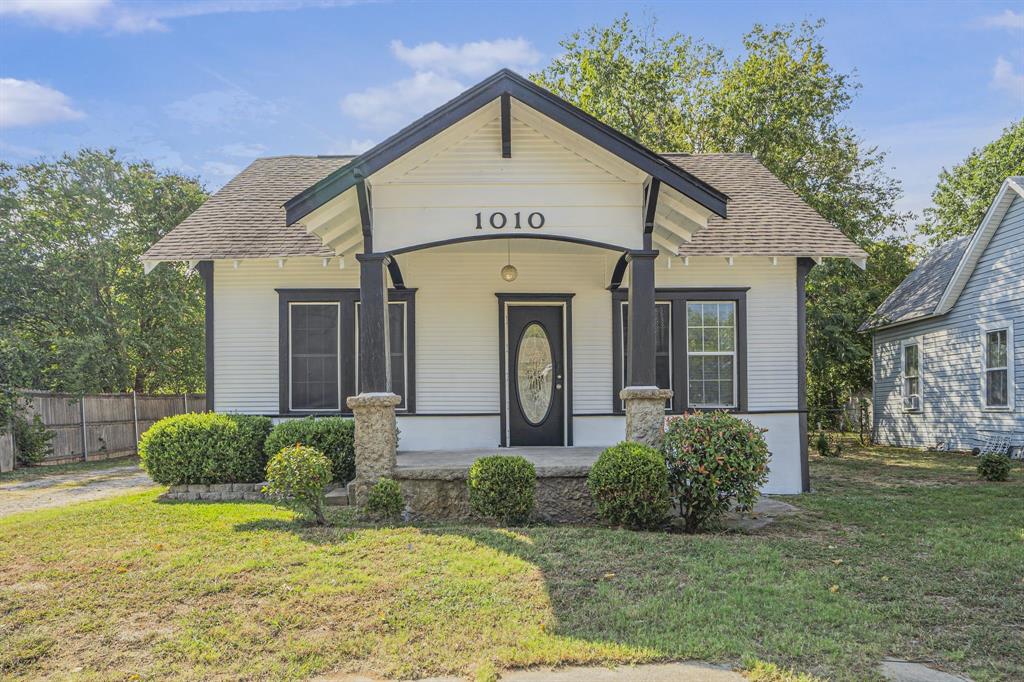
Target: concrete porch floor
x,y
549,461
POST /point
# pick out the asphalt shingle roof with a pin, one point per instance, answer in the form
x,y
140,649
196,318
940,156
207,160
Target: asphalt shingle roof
x,y
246,217
919,294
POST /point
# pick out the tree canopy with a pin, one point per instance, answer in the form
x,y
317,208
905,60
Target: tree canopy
x,y
781,101
77,313
964,193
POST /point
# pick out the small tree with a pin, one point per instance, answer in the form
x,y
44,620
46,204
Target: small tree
x,y
297,477
715,461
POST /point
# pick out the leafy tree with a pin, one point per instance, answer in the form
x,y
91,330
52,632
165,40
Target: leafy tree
x,y
78,315
782,101
964,193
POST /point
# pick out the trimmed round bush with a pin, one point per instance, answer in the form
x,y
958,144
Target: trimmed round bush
x,y
994,467
332,436
191,448
384,501
629,484
502,487
297,477
715,462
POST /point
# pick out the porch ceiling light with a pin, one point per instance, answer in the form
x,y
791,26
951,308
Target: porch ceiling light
x,y
509,272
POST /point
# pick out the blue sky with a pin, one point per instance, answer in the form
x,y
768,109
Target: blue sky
x,y
203,88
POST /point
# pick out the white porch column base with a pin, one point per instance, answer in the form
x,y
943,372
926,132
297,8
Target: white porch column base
x,y
376,440
645,413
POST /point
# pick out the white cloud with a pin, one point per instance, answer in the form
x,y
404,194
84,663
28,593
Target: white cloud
x,y
475,59
242,150
351,147
26,103
138,17
1005,77
1009,19
222,108
220,169
63,15
388,107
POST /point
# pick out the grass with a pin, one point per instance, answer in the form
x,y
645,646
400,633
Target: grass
x,y
898,553
37,472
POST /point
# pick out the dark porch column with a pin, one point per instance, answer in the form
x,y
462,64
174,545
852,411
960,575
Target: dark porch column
x,y
374,353
643,400
641,319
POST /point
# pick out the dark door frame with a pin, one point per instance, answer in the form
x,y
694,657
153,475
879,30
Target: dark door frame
x,y
565,302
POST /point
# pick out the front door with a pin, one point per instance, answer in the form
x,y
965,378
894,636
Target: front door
x,y
536,369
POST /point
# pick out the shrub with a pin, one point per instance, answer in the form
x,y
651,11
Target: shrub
x,y
502,487
994,467
297,477
191,448
333,436
715,461
384,500
31,440
250,463
629,483
829,446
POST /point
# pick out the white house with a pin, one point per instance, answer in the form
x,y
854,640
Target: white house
x,y
947,348
506,265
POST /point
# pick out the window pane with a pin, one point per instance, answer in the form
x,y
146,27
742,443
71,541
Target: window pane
x,y
910,360
396,339
697,393
696,363
996,393
711,340
727,396
711,393
996,346
314,356
727,314
710,314
913,386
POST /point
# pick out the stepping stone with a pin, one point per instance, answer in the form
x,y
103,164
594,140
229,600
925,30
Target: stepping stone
x,y
908,671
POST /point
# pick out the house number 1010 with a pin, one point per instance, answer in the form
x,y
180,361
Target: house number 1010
x,y
499,220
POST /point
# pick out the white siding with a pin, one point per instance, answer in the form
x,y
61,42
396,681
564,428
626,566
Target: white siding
x,y
952,400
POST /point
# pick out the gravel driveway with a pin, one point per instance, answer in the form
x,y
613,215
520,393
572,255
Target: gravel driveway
x,y
67,488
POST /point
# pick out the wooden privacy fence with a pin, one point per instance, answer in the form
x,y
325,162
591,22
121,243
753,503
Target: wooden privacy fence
x,y
97,426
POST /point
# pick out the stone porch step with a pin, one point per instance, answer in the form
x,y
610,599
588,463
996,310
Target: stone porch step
x,y
338,496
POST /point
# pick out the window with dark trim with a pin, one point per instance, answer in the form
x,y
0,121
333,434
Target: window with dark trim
x,y
702,360
318,344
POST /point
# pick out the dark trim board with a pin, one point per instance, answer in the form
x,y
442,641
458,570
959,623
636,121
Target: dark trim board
x,y
205,269
679,296
504,82
503,301
803,269
486,237
347,298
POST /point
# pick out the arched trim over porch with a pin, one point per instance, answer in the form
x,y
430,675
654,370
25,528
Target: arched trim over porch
x,y
489,237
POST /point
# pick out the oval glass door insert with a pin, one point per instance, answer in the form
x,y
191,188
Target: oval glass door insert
x,y
534,370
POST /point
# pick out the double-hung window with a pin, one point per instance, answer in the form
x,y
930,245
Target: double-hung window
x,y
997,357
711,354
699,347
911,375
319,343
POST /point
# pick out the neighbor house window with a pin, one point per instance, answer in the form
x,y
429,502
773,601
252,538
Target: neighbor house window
x,y
699,347
711,354
319,347
662,345
998,367
314,356
911,376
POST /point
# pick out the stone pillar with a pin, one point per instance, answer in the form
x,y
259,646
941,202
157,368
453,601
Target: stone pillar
x,y
645,413
376,440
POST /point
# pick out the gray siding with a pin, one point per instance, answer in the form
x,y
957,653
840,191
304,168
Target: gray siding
x,y
951,374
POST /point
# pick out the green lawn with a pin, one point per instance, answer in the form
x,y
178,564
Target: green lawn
x,y
898,553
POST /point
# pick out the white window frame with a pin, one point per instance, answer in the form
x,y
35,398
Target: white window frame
x,y
291,358
919,344
734,353
986,329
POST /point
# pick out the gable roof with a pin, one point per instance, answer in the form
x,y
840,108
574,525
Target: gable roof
x,y
935,285
246,218
504,83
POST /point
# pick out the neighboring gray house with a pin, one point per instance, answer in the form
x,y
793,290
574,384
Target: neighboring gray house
x,y
948,351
